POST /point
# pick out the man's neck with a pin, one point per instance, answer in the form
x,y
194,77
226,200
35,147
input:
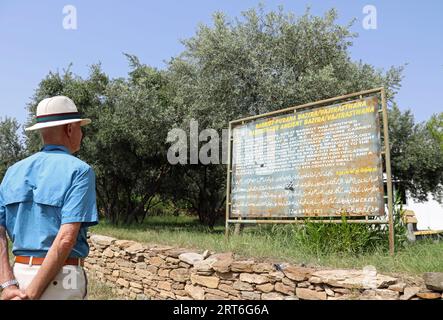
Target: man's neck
x,y
58,143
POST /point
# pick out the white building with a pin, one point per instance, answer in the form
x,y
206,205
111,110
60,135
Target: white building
x,y
429,214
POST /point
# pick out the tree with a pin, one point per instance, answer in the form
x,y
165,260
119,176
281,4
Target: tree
x,y
125,142
416,154
130,144
11,148
260,63
435,127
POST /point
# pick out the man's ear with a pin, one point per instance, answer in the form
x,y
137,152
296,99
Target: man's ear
x,y
68,130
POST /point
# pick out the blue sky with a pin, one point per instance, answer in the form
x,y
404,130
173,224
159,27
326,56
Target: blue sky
x,y
33,40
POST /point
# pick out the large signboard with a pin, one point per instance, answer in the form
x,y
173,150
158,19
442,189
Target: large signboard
x,y
323,162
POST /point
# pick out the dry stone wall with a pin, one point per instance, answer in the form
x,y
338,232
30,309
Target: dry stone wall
x,y
140,271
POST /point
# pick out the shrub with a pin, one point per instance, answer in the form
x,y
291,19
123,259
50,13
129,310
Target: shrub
x,y
353,238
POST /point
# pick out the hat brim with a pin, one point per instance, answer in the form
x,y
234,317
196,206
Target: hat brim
x,y
49,124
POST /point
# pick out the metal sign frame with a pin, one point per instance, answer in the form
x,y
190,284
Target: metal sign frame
x,y
385,155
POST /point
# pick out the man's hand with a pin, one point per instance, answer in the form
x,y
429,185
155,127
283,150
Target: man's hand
x,y
13,293
6,273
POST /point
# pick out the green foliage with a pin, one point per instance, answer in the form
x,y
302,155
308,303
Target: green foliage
x,y
416,154
129,142
200,189
345,238
11,147
435,127
323,238
125,142
267,61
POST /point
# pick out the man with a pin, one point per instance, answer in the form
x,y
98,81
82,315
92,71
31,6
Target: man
x,y
47,202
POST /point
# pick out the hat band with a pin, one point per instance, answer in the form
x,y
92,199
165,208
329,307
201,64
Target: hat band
x,y
58,117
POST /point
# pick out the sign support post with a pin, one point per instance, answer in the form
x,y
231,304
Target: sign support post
x,y
388,171
228,179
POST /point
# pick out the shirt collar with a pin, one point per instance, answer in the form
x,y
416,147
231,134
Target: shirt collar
x,y
52,147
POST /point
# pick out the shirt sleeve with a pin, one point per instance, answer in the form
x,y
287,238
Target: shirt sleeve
x,y
80,200
2,211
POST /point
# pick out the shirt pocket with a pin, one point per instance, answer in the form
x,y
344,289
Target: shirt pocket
x,y
41,207
37,195
34,216
17,196
50,205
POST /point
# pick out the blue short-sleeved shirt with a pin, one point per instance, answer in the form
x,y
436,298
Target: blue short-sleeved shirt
x,y
42,192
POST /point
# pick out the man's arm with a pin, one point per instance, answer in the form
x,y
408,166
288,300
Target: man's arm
x,y
6,273
54,260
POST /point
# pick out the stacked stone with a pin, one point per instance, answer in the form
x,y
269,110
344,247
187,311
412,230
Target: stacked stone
x,y
137,271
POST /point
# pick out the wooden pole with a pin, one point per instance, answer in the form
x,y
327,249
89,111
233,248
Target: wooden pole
x,y
228,182
238,226
388,171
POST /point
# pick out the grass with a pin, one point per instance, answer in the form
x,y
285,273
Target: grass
x,y
99,291
276,243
